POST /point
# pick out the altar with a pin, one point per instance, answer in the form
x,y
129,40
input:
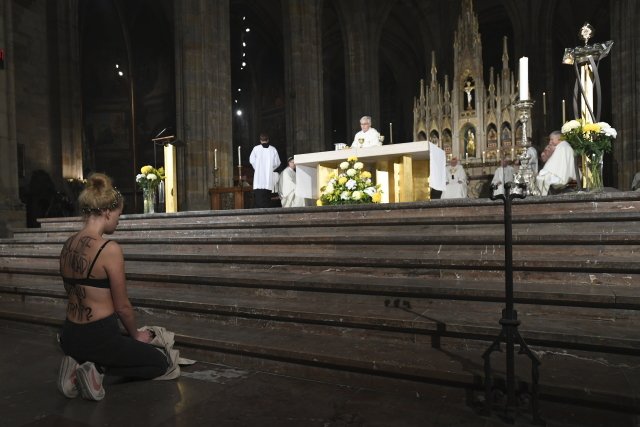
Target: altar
x,y
402,170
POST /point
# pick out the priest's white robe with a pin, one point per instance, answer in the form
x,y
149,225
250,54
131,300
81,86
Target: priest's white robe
x,y
502,175
533,159
559,169
287,189
370,139
457,180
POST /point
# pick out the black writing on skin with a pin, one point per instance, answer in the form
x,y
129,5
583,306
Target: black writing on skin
x,y
77,310
74,256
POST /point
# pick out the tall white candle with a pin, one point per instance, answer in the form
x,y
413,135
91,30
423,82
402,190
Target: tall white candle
x,y
215,158
544,103
391,132
524,78
564,113
239,157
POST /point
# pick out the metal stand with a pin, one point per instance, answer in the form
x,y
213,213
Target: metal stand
x,y
240,180
215,177
585,60
509,322
525,175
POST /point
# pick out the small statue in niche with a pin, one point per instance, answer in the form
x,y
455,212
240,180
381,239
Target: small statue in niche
x,y
470,138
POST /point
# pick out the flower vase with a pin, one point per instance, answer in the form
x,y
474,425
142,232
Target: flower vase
x,y
149,198
592,172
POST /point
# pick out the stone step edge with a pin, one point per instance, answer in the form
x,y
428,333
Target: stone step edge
x,y
425,288
279,221
610,264
482,332
419,374
495,239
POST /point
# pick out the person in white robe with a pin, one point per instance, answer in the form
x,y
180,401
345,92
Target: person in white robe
x,y
533,159
287,187
503,175
456,187
635,184
532,153
265,159
559,169
369,136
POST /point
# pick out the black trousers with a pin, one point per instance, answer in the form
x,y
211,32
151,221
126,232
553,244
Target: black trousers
x,y
262,198
102,343
436,194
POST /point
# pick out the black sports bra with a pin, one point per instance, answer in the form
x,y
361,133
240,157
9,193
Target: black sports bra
x,y
88,281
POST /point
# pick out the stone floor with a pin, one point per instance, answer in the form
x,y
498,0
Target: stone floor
x,y
216,395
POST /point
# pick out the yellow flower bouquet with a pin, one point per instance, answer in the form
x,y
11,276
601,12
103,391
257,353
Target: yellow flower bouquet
x,y
350,185
588,138
591,141
149,177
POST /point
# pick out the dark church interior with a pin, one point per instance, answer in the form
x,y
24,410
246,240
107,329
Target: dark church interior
x,y
398,313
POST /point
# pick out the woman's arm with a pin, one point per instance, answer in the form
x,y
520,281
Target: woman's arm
x,y
114,266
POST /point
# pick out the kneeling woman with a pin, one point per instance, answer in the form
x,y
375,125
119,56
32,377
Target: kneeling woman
x,y
92,270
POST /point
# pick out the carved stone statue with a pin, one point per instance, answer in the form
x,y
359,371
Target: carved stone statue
x,y
468,89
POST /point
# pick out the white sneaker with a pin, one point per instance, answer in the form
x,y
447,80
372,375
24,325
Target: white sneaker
x,y
90,381
67,381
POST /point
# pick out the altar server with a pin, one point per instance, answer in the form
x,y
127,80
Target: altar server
x,y
503,174
265,159
457,181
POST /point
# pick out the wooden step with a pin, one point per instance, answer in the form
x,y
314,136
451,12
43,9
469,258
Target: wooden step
x,y
598,329
584,289
451,361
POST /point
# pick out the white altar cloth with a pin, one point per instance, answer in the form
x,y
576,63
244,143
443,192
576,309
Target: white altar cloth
x,y
307,185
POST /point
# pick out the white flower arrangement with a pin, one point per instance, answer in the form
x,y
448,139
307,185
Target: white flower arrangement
x,y
351,185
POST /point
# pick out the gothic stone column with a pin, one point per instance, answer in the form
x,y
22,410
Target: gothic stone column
x,y
69,82
303,76
362,39
203,97
625,88
12,212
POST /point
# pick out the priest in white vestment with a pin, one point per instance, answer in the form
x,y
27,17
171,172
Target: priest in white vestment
x,y
559,169
287,186
503,175
456,187
369,136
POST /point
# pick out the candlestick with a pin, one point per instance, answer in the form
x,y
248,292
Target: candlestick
x,y
215,158
239,157
525,179
391,133
524,78
544,103
564,115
